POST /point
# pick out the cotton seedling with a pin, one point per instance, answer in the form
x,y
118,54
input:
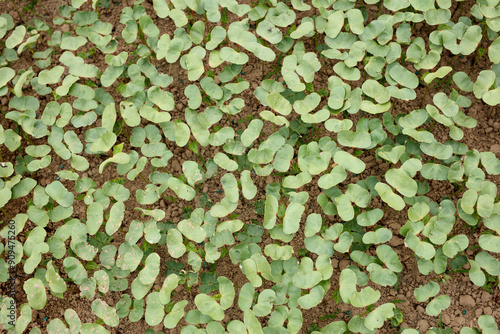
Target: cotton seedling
x,y
220,108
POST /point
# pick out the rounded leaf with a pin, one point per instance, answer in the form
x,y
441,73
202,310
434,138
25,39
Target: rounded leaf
x,y
437,305
208,306
35,292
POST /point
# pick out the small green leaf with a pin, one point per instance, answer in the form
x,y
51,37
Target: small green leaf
x,y
278,103
424,292
367,296
437,305
377,317
35,293
387,195
207,305
105,312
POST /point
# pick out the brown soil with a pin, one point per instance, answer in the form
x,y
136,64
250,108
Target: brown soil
x,y
468,301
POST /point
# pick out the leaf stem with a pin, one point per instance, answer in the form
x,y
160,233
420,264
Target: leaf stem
x,y
29,47
473,103
262,68
72,29
164,198
425,94
407,258
143,39
478,50
18,13
385,208
142,177
43,6
26,136
452,62
43,41
459,189
97,10
432,125
5,213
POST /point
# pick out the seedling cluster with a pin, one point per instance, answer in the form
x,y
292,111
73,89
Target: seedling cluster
x,y
302,93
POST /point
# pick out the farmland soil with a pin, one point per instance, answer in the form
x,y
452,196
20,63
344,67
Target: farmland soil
x,y
468,300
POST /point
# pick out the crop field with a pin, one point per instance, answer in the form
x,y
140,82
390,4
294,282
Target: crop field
x,y
256,166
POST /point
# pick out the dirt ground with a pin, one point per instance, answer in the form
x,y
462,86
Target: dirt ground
x,y
468,301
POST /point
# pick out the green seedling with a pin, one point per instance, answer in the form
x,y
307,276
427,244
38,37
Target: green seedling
x,y
231,110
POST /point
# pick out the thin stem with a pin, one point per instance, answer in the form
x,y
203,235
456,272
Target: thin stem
x,y
432,125
201,158
18,13
5,213
425,94
407,258
51,169
473,103
43,41
459,189
26,136
475,61
316,132
491,112
71,28
270,74
478,50
262,66
43,6
453,60
125,133
279,59
153,55
385,209
223,19
169,69
142,177
29,47
164,198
